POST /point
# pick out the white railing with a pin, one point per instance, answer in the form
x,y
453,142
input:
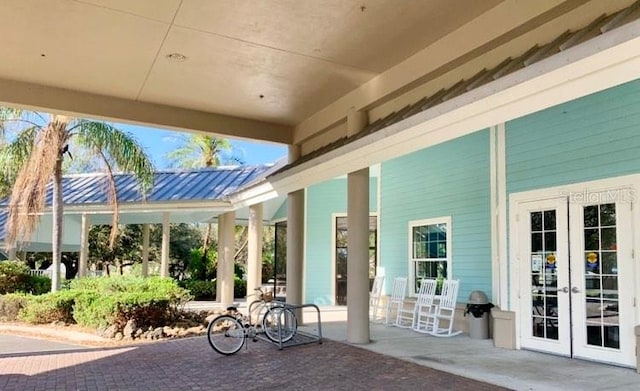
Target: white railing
x,y
40,272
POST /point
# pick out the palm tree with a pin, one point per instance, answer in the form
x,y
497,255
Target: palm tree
x,y
199,150
202,151
34,158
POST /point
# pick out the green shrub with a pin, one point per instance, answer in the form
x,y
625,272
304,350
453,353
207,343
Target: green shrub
x,y
105,301
206,290
14,277
51,307
93,310
39,285
161,287
200,290
10,306
148,310
240,287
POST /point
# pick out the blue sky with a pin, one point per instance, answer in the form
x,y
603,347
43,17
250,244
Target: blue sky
x,y
158,142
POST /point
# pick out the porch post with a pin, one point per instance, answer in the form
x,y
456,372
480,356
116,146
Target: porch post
x,y
295,240
220,258
84,246
254,262
357,243
226,263
145,250
164,257
12,252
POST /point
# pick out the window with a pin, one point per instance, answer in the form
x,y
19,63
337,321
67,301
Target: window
x,y
341,255
430,250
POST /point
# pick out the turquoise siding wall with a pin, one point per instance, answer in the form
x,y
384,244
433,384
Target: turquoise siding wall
x,y
591,138
451,179
323,200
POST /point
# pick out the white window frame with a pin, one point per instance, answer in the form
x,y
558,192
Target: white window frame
x,y
418,223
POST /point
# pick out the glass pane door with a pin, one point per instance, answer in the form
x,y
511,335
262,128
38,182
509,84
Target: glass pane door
x,y
600,259
602,278
544,275
543,256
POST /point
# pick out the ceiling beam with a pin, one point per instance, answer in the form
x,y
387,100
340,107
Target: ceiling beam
x,y
83,104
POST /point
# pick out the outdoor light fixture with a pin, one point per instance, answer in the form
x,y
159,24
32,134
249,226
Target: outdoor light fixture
x,y
178,57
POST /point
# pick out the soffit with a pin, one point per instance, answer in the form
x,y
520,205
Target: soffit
x,y
300,56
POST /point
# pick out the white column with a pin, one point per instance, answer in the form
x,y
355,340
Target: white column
x,y
220,258
357,244
145,250
501,186
295,240
84,246
254,261
226,264
358,257
164,257
12,253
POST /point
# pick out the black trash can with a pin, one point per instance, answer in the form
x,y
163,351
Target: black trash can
x,y
479,307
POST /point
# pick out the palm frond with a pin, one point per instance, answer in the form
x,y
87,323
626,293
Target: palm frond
x,y
7,114
14,155
122,148
200,150
30,189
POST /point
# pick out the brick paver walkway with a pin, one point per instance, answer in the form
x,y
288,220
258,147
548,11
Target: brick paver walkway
x,y
190,364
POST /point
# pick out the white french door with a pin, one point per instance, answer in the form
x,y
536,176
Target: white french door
x,y
576,271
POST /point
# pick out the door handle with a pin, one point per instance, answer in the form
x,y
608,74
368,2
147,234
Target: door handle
x,y
564,290
575,290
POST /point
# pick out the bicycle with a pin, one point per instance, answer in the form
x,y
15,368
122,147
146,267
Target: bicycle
x,y
228,333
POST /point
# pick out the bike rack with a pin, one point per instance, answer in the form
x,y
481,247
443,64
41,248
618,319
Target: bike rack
x,y
301,337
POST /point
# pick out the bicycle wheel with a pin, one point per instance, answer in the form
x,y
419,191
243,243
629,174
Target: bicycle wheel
x,y
226,334
280,324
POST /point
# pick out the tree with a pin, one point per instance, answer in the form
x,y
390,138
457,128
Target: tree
x,y
128,248
35,156
202,151
199,150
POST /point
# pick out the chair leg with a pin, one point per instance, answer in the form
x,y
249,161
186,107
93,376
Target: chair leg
x,y
390,306
444,332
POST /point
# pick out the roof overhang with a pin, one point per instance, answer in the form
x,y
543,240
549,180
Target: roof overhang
x,y
600,63
80,104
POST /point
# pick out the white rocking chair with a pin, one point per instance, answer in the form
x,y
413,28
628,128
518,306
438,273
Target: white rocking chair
x,y
445,310
424,305
397,296
374,298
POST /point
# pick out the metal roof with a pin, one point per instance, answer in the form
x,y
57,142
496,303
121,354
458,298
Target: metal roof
x,y
194,185
207,184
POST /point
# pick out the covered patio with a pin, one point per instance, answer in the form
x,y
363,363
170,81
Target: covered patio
x,y
445,103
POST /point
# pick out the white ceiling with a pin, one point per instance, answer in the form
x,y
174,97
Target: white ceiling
x,y
298,55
